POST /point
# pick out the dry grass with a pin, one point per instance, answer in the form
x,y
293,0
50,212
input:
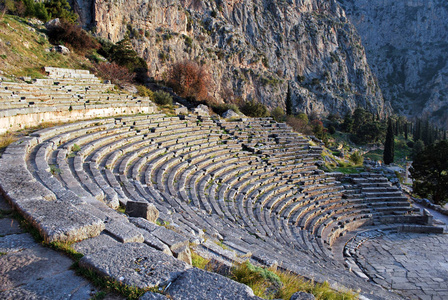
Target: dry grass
x,y
7,139
275,284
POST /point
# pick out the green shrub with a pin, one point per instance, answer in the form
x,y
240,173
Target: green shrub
x,y
60,9
223,107
254,109
123,54
145,92
356,158
163,98
278,114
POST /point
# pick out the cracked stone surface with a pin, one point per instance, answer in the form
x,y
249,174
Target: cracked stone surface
x,y
413,265
30,271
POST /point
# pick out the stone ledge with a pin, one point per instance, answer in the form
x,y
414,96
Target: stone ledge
x,y
135,264
59,221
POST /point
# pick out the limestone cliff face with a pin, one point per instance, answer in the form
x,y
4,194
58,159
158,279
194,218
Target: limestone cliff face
x,y
407,47
254,49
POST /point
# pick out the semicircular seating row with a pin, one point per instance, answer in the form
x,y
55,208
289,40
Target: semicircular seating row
x,y
64,89
258,177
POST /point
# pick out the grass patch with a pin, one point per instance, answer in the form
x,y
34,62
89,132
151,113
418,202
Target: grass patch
x,y
111,285
263,282
24,51
7,139
199,261
349,170
275,284
3,253
374,155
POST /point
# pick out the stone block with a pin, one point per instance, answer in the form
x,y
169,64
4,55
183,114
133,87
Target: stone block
x,y
200,284
59,221
183,253
124,232
171,238
142,210
151,240
144,224
135,264
95,244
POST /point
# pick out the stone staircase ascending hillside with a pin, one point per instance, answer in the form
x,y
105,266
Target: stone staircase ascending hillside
x,y
251,186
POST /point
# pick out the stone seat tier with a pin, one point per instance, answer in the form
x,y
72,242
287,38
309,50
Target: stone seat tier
x,y
193,171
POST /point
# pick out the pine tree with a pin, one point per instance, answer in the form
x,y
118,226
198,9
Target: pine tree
x,y
288,102
389,147
406,131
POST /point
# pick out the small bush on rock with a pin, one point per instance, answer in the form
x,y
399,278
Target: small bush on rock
x,y
254,109
356,158
163,98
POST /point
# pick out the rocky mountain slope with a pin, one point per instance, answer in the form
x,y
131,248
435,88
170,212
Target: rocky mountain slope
x,y
407,44
253,48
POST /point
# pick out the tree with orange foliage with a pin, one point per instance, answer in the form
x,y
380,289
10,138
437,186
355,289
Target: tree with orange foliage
x,y
189,80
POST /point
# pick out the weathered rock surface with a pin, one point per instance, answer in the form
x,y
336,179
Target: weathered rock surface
x,y
199,284
230,114
153,296
31,271
124,232
406,47
95,244
302,296
60,221
253,49
135,264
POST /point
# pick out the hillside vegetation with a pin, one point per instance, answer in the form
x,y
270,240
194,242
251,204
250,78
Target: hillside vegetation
x,y
24,49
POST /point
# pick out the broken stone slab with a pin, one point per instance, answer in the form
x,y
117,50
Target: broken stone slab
x,y
124,232
183,253
142,210
199,284
151,240
59,221
135,264
95,244
201,110
230,114
171,238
